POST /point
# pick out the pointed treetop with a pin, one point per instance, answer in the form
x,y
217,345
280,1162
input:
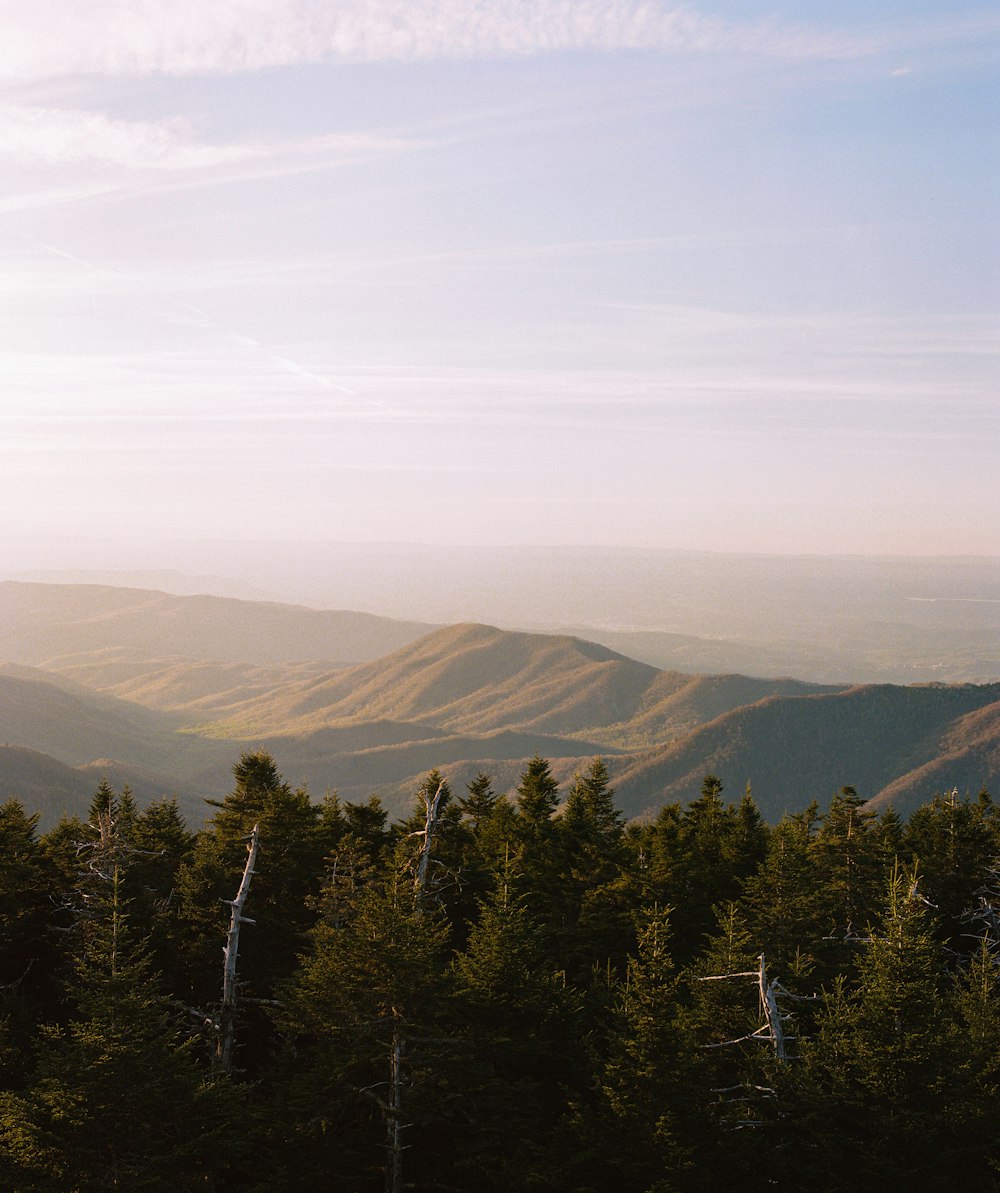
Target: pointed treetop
x,y
537,792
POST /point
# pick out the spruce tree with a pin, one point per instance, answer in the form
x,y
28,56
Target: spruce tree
x,y
28,960
598,895
363,1013
877,1082
288,873
953,841
116,1100
650,1120
851,864
782,899
517,1052
535,857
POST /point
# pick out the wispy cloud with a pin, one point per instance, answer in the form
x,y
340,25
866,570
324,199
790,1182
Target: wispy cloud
x,y
63,136
120,37
58,136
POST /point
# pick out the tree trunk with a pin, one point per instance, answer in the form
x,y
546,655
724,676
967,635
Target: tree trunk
x,y
394,1170
433,806
226,1040
771,1012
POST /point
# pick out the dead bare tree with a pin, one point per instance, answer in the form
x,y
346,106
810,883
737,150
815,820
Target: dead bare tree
x,y
432,809
772,1029
393,1106
226,1028
984,917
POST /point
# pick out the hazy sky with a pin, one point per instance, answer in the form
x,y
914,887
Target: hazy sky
x,y
720,275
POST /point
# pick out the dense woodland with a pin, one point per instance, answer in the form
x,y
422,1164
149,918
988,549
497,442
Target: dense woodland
x,y
499,993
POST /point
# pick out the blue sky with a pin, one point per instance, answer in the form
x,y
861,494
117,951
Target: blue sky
x,y
613,271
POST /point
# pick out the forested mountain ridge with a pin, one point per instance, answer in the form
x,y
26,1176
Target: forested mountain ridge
x,y
887,740
469,697
472,678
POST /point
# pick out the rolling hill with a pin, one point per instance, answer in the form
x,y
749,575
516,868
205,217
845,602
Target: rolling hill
x,y
79,727
41,622
466,678
52,789
143,699
197,688
877,738
479,679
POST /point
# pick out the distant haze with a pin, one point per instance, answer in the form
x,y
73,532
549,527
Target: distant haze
x,y
828,619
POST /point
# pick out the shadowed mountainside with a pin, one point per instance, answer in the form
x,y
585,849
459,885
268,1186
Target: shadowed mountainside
x,y
466,697
51,788
77,727
967,756
792,750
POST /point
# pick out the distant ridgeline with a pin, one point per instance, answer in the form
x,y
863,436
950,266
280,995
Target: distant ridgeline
x,y
161,692
497,993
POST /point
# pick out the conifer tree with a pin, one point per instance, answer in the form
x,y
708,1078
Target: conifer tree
x,y
535,857
597,892
116,1100
953,841
478,804
877,1081
650,1119
724,1002
851,866
161,845
705,852
782,900
287,874
976,1089
25,886
537,797
517,1051
28,988
362,1010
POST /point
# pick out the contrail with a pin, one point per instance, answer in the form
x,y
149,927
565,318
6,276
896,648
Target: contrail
x,y
205,320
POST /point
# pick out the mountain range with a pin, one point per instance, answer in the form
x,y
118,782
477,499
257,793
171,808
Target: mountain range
x,y
163,691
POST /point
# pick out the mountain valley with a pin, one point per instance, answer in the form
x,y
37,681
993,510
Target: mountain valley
x,y
164,691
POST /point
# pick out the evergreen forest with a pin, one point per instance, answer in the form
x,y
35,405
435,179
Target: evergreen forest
x,y
498,993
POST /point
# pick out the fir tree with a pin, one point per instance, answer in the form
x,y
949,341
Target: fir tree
x,y
598,895
644,1131
877,1081
782,900
288,872
363,1008
953,841
516,1052
116,1100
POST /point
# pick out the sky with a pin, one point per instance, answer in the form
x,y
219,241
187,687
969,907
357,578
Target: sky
x,y
716,276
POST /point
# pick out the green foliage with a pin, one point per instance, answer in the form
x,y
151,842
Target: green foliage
x,y
288,872
884,1059
699,858
374,973
115,1091
598,897
782,900
509,1006
515,1053
954,841
640,1133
